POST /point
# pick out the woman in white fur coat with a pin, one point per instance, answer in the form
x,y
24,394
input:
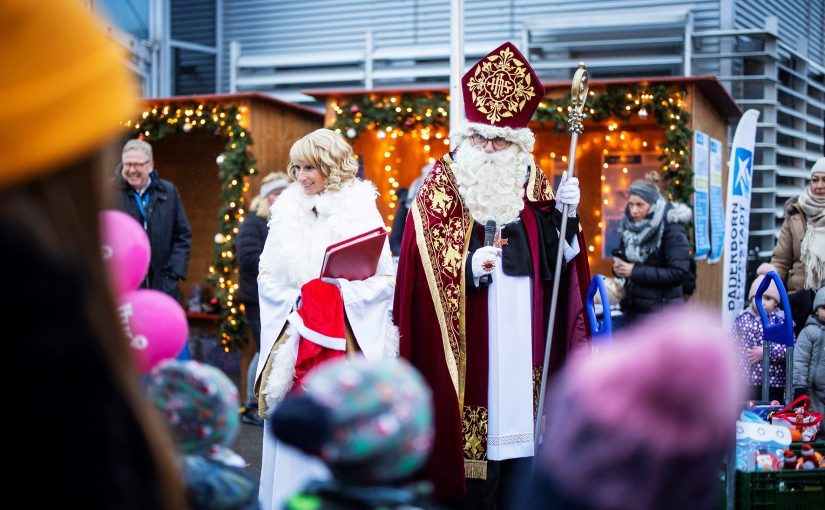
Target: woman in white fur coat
x,y
326,204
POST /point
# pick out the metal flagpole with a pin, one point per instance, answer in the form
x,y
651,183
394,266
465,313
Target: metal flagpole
x,y
579,96
456,65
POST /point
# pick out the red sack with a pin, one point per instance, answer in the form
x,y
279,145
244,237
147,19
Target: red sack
x,y
798,415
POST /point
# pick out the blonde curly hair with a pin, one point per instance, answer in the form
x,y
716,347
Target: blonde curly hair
x,y
260,204
329,153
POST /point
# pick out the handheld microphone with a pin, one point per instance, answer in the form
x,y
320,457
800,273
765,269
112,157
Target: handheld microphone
x,y
489,235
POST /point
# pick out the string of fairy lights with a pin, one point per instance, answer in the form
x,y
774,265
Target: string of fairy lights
x,y
665,104
396,116
235,165
422,116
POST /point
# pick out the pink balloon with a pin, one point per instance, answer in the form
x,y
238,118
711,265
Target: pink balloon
x,y
125,248
155,326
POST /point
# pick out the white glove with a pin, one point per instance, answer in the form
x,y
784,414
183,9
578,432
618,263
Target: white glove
x,y
568,193
485,260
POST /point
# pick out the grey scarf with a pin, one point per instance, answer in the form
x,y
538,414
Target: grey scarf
x,y
812,249
644,237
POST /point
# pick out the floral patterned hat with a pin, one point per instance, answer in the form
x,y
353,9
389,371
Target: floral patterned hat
x,y
378,419
199,402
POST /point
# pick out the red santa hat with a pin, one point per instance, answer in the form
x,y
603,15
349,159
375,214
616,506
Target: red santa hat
x,y
501,93
320,319
320,326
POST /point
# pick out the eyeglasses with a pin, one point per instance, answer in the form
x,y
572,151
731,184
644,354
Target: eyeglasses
x,y
138,165
499,143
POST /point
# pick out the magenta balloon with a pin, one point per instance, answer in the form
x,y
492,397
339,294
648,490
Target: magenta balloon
x,y
125,249
155,326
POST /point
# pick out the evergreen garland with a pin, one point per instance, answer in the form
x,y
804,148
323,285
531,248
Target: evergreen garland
x,y
235,165
623,102
411,111
406,112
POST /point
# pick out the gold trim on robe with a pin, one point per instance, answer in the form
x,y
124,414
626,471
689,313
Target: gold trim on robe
x,y
443,227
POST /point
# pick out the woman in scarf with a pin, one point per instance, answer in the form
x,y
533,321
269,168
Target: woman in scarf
x,y
799,255
654,256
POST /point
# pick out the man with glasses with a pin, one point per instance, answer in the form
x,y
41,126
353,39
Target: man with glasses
x,y
156,204
472,303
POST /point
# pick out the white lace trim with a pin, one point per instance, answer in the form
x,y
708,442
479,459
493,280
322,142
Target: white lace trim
x,y
511,439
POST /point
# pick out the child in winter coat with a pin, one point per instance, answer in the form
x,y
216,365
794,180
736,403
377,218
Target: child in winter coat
x,y
809,356
200,404
747,334
371,424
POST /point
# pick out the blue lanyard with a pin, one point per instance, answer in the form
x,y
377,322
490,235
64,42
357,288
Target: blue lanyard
x,y
143,204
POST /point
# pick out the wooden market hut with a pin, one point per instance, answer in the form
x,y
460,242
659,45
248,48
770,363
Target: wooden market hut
x,y
634,123
215,149
187,157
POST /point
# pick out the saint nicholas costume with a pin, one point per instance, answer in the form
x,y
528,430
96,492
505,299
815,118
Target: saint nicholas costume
x,y
480,345
297,334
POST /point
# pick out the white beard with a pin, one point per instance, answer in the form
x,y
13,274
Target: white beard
x,y
491,185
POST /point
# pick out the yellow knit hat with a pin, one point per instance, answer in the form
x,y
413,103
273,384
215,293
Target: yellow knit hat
x,y
64,89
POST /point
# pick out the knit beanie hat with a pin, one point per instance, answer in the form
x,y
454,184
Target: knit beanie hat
x,y
646,423
819,167
819,298
270,186
771,291
645,190
199,402
370,422
65,86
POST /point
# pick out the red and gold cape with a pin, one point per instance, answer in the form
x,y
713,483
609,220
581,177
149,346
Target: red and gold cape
x,y
444,330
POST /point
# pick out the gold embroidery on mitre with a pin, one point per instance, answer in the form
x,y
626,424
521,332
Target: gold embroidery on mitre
x,y
501,85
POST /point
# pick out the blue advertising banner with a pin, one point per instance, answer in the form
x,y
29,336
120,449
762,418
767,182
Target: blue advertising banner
x,y
701,154
737,217
717,204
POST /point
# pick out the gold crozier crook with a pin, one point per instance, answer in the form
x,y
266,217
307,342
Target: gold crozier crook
x,y
579,93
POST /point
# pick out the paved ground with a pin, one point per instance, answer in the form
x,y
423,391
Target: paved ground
x,y
248,446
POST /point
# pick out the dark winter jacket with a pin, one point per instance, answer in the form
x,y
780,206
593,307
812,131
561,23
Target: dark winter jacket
x,y
249,244
658,281
170,235
809,358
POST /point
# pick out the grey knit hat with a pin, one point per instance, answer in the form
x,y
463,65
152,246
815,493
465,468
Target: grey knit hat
x,y
819,167
819,299
645,190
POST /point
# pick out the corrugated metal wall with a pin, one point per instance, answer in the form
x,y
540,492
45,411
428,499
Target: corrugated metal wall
x,y
798,20
193,21
267,27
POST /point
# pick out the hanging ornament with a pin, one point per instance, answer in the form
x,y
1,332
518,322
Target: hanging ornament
x,y
219,239
351,133
187,127
381,134
354,108
220,159
642,113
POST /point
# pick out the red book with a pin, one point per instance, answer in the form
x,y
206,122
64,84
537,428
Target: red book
x,y
355,258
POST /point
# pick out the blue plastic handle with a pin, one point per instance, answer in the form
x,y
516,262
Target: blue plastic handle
x,y
782,332
602,329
